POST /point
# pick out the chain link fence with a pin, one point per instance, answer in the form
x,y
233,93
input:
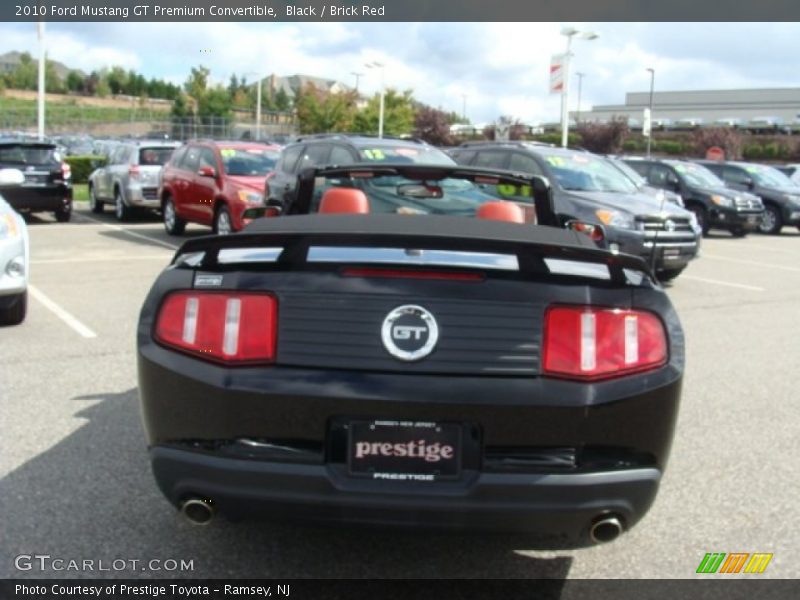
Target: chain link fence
x,y
82,121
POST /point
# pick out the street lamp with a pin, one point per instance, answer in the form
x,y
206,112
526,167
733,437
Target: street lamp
x,y
377,65
580,77
652,81
464,107
569,32
357,76
258,103
41,91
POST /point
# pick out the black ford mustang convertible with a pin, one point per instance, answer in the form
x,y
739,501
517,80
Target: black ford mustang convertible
x,y
398,346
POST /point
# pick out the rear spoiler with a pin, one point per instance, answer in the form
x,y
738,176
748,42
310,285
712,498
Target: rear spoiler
x,y
295,235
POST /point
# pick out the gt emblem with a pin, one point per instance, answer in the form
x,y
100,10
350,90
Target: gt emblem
x,y
409,332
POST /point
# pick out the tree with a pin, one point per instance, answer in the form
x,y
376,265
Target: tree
x,y
604,138
730,140
25,75
398,116
233,86
197,82
180,107
282,101
319,111
433,126
118,80
102,88
74,81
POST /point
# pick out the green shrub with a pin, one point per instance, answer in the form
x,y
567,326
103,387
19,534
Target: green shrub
x,y
82,166
670,147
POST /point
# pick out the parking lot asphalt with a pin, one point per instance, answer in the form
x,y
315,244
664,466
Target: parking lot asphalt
x,y
75,482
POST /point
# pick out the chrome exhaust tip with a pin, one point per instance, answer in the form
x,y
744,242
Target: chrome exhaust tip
x,y
198,511
605,529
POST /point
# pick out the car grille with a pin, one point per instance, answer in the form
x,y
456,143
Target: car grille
x,y
344,332
747,203
678,224
150,193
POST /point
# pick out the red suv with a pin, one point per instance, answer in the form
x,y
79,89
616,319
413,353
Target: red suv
x,y
212,183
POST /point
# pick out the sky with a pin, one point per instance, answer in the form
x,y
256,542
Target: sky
x,y
494,68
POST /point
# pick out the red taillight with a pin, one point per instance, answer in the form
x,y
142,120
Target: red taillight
x,y
582,342
66,171
133,170
220,326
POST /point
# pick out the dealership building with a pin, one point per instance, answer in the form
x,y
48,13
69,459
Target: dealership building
x,y
705,105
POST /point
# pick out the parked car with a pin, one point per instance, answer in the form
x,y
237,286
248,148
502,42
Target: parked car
x,y
213,182
589,188
343,149
779,194
642,185
130,178
48,179
714,204
410,369
14,254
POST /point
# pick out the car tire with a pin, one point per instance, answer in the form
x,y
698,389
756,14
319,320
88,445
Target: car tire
x,y
64,214
122,211
15,314
739,232
701,215
172,222
772,221
223,225
96,205
669,274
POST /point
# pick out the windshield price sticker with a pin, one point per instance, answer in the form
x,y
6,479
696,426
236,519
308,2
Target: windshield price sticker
x,y
227,152
556,161
374,154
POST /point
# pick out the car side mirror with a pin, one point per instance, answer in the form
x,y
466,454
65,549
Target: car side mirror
x,y
207,172
9,177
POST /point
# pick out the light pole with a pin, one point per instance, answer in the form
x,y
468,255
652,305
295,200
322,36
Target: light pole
x,y
569,32
42,65
258,103
357,76
652,81
580,77
464,107
377,65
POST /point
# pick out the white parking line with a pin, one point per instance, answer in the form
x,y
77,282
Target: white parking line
x,y
754,263
85,259
742,286
129,232
62,314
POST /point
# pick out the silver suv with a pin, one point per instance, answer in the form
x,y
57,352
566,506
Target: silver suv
x,y
131,177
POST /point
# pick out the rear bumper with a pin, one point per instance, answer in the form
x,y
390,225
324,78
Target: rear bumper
x,y
140,197
672,250
36,199
558,507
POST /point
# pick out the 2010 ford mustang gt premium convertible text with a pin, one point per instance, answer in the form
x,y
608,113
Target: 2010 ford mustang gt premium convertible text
x,y
399,347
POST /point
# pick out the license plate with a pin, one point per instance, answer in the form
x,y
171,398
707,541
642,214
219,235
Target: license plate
x,y
671,253
404,450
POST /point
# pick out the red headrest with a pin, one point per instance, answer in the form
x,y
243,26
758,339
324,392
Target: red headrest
x,y
344,200
500,210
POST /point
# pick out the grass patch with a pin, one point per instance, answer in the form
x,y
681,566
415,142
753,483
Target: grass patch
x,y
18,112
80,192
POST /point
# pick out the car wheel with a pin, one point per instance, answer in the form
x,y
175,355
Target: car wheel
x,y
222,221
15,314
172,222
669,274
771,222
64,214
94,203
702,217
738,232
122,211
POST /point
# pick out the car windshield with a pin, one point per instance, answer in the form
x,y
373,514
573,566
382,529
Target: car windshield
x,y
587,173
402,154
698,175
248,162
27,155
155,156
768,176
394,194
